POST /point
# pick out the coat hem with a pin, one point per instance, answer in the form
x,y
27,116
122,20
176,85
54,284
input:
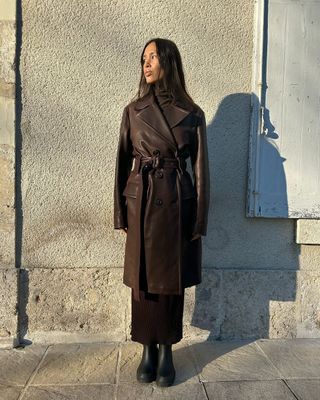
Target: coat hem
x,y
154,290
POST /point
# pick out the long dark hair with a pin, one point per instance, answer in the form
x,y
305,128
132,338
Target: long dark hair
x,y
173,78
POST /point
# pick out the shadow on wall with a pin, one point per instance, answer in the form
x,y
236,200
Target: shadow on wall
x,y
23,293
22,274
248,287
249,281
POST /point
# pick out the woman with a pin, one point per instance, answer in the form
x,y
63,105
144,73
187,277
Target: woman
x,y
160,207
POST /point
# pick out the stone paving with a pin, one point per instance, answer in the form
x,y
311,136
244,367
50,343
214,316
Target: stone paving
x,y
241,370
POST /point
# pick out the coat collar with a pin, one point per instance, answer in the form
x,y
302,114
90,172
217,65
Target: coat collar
x,y
149,111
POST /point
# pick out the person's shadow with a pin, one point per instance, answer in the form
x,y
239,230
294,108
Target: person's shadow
x,y
249,264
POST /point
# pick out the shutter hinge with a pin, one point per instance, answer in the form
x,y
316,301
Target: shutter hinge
x,y
263,130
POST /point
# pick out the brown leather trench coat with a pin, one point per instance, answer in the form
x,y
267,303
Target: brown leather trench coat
x,y
156,199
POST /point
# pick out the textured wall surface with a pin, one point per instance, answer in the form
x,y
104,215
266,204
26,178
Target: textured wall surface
x,y
79,68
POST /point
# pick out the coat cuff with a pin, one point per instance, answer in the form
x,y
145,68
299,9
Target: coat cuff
x,y
119,221
200,229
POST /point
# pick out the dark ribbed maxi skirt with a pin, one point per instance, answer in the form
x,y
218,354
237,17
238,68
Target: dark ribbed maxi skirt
x,y
156,318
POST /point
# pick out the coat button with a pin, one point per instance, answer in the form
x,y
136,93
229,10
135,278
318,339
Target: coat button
x,y
159,202
145,168
159,174
156,152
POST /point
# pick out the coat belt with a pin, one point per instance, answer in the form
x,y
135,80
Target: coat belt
x,y
148,163
156,162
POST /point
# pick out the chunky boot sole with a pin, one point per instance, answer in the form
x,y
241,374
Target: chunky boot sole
x,y
146,378
165,371
165,381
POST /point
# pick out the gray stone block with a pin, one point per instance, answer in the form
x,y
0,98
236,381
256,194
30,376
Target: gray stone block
x,y
9,392
309,304
7,247
283,319
246,303
77,302
129,360
17,365
254,390
180,392
202,308
86,363
309,258
7,211
232,361
7,148
129,391
185,364
82,392
305,389
294,358
8,301
7,10
7,54
308,231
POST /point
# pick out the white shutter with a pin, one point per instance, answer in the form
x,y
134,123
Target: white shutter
x,y
284,160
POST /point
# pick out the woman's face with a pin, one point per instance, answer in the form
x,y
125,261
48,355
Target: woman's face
x,y
151,65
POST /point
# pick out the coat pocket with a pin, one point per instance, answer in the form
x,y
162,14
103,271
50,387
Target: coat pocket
x,y
131,190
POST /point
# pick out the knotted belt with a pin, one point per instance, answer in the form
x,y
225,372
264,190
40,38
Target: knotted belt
x,y
156,162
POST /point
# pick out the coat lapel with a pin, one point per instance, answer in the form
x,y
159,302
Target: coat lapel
x,y
176,112
150,113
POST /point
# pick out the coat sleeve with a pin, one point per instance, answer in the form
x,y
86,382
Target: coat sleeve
x,y
122,172
200,166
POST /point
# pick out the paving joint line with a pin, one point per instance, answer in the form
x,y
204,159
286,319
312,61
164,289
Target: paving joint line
x,y
36,385
205,390
294,395
117,382
194,360
268,359
33,374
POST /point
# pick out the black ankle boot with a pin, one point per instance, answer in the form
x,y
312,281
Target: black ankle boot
x,y
147,370
165,372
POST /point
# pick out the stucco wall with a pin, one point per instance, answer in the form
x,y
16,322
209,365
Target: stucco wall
x,y
79,68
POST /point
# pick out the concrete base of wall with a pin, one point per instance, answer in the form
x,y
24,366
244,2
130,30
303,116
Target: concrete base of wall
x,y
308,231
10,343
8,313
82,305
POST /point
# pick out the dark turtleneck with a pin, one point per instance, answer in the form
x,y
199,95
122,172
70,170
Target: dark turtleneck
x,y
162,96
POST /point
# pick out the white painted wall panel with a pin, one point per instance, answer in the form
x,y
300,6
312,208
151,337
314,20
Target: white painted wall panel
x,y
284,176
